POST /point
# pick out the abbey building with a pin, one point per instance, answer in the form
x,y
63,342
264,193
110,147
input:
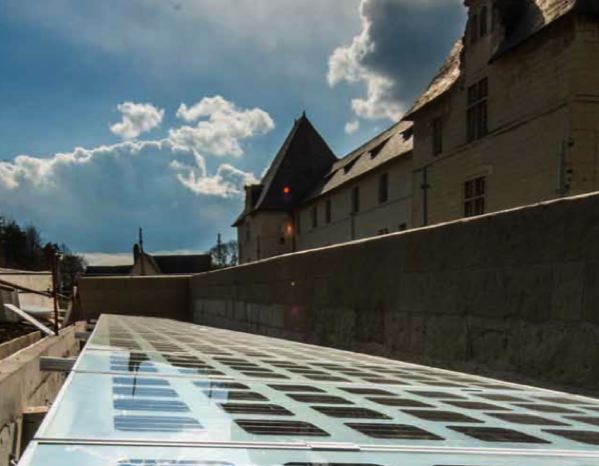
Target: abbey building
x,y
511,118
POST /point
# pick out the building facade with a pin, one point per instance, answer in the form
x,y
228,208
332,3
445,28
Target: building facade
x,y
511,118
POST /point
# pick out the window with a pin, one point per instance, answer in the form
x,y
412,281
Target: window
x,y
328,211
476,118
383,188
314,216
474,196
355,200
473,29
483,22
437,136
377,149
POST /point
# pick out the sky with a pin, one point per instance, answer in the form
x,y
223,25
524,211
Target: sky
x,y
122,114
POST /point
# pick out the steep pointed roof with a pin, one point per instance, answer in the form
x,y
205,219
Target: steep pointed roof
x,y
301,163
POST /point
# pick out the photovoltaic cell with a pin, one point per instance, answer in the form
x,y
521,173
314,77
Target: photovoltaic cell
x,y
154,392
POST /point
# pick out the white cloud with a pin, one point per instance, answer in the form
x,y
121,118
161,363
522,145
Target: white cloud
x,y
99,196
205,107
101,258
136,119
223,130
394,54
352,126
347,64
228,181
221,134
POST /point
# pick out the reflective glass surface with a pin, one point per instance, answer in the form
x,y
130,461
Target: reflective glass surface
x,y
98,455
217,397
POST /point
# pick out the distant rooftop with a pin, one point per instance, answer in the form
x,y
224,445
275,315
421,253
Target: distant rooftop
x,y
169,264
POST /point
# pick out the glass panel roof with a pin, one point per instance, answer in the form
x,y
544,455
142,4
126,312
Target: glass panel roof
x,y
102,455
192,395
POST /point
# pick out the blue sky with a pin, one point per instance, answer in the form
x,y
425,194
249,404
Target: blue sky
x,y
154,113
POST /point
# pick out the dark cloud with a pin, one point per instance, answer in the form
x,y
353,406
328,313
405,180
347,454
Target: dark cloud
x,y
400,47
411,40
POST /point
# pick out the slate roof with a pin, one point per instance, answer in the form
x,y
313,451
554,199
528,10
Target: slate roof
x,y
303,159
168,264
397,141
183,264
524,19
305,156
445,78
108,269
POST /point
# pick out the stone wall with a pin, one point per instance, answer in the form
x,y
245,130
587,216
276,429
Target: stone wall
x,y
23,385
264,234
153,296
514,293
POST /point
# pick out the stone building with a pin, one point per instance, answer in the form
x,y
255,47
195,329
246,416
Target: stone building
x,y
511,118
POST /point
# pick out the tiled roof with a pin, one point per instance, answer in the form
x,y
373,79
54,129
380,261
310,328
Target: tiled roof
x,y
447,75
394,142
108,269
526,18
302,161
183,264
304,157
175,264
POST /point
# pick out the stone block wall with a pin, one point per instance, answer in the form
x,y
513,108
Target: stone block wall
x,y
151,296
514,294
23,385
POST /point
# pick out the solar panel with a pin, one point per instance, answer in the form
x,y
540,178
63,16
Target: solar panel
x,y
155,392
122,455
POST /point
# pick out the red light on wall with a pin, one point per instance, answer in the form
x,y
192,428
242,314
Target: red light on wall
x,y
286,190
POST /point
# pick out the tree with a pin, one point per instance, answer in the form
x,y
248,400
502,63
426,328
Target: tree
x,y
224,254
70,267
21,248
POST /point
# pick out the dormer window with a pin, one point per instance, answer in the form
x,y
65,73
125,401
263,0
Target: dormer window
x,y
474,29
479,25
484,22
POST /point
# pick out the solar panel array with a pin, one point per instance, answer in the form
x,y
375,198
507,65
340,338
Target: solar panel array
x,y
155,392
